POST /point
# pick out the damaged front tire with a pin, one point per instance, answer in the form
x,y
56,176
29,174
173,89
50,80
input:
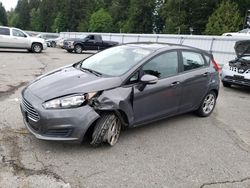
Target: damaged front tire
x,y
107,130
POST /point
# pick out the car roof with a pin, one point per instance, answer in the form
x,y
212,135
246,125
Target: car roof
x,y
155,46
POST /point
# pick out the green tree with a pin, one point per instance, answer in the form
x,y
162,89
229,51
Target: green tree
x,y
119,12
59,23
140,19
3,15
24,14
101,21
226,18
35,19
13,18
174,15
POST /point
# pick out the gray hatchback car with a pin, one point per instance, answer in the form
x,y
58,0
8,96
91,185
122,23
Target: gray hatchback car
x,y
124,86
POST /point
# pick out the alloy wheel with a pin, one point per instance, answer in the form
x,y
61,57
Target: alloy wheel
x,y
208,104
114,132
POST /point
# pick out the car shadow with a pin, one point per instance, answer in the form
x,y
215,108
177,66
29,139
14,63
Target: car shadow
x,y
125,135
242,89
14,51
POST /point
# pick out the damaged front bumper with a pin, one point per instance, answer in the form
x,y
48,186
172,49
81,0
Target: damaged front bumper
x,y
236,75
56,124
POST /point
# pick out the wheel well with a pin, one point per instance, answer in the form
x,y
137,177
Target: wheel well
x,y
121,115
216,92
37,43
78,44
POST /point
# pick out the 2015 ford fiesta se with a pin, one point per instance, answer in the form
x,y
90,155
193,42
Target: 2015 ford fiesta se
x,y
124,86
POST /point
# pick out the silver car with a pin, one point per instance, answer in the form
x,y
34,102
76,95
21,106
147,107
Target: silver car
x,y
237,71
14,38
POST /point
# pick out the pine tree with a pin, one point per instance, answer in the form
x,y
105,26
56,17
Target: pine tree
x,y
101,21
226,18
3,16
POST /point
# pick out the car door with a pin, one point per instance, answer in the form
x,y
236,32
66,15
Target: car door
x,y
89,43
195,79
163,98
4,37
19,39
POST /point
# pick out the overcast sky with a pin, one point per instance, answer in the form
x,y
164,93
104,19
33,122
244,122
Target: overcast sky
x,y
8,4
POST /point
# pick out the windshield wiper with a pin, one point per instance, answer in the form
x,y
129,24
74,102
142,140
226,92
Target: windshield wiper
x,y
91,71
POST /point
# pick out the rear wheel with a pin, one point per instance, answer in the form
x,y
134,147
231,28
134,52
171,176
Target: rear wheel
x,y
207,105
226,84
36,48
78,49
107,130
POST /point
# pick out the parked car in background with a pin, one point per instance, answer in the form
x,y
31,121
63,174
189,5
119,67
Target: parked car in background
x,y
17,39
123,86
242,33
237,71
60,42
50,38
90,42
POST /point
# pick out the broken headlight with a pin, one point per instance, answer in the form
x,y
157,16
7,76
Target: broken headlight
x,y
72,101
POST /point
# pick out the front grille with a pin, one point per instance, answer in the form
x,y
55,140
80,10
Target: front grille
x,y
238,78
58,132
31,112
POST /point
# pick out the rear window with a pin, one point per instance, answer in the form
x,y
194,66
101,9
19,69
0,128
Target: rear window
x,y
192,60
4,31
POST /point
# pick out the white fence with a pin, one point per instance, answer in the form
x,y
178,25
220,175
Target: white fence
x,y
221,47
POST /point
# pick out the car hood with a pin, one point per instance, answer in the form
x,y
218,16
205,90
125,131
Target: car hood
x,y
69,80
242,48
36,39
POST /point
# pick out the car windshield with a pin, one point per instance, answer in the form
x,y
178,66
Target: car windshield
x,y
115,61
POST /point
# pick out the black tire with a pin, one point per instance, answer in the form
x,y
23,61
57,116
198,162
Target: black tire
x,y
29,50
207,106
36,48
70,51
78,49
53,44
226,84
104,128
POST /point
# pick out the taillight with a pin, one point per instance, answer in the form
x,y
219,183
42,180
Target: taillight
x,y
216,66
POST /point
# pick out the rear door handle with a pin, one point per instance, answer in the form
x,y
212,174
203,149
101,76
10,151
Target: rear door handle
x,y
175,84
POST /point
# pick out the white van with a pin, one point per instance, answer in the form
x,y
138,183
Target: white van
x,y
17,39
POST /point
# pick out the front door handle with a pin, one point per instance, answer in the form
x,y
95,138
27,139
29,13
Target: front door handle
x,y
175,84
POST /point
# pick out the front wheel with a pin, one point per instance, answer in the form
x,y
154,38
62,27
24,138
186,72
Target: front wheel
x,y
78,49
207,105
36,48
107,130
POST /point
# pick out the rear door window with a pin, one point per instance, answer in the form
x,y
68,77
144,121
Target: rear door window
x,y
192,60
4,31
163,65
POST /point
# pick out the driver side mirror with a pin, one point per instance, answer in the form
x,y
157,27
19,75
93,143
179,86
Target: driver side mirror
x,y
148,79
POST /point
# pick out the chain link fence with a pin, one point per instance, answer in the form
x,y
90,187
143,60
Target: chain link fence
x,y
222,47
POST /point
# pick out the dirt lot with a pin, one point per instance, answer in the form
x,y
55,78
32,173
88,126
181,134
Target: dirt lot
x,y
184,151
